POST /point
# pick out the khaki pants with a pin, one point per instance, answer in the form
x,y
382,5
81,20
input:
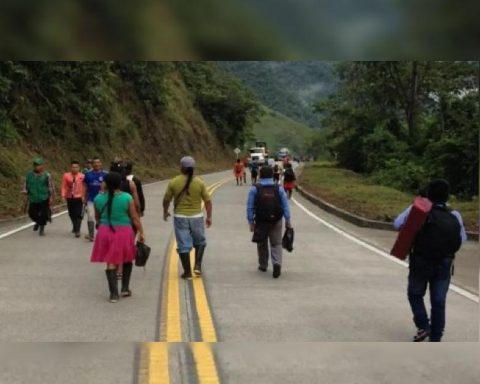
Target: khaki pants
x,y
275,239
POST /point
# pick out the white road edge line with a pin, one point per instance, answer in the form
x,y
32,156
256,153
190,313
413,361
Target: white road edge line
x,y
378,251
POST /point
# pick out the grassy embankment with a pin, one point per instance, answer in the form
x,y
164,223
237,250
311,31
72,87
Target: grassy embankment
x,y
357,194
281,131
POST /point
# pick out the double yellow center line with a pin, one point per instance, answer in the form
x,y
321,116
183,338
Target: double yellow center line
x,y
154,361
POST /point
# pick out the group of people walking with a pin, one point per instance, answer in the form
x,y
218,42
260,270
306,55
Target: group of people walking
x,y
115,203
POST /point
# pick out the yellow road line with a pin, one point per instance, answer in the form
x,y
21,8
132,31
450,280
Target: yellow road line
x,y
173,330
205,363
153,367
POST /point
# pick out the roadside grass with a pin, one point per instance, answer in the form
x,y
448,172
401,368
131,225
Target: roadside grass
x,y
357,194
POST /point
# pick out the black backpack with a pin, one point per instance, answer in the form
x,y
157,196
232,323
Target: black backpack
x,y
440,236
289,175
268,206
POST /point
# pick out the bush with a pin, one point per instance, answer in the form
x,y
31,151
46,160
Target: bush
x,y
402,175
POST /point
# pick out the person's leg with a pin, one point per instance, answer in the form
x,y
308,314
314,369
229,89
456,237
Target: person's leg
x,y
77,212
197,226
111,273
275,237
71,212
43,216
91,220
184,244
417,286
33,214
438,296
262,250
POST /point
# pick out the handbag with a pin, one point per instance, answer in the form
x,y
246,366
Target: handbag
x,y
287,240
143,252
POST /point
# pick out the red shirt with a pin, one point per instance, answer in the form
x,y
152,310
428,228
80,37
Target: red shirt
x,y
73,186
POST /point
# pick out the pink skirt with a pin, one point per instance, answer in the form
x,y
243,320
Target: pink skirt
x,y
114,247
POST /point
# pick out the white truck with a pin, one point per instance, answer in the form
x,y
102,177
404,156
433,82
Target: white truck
x,y
258,154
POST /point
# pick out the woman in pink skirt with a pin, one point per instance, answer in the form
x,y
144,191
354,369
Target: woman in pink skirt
x,y
115,212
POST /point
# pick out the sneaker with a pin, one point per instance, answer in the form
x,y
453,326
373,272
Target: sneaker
x,y
126,293
77,235
113,297
421,335
277,271
197,271
35,227
186,276
262,269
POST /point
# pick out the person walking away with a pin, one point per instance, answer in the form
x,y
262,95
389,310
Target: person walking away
x,y
127,185
267,205
431,261
93,184
188,192
276,173
289,180
114,244
73,192
138,185
254,171
238,171
245,166
88,166
40,193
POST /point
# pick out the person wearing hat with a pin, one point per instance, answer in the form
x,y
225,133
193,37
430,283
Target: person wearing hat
x,y
431,260
188,192
40,192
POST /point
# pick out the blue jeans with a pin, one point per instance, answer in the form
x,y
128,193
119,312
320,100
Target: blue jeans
x,y
189,232
437,277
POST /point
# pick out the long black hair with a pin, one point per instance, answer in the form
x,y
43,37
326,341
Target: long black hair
x,y
189,172
113,181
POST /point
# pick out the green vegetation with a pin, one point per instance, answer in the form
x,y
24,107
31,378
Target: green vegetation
x,y
280,131
404,123
360,195
149,112
288,87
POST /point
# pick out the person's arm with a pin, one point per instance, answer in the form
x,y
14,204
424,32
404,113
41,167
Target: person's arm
x,y
134,216
401,219
463,232
134,192
251,207
63,189
166,201
141,196
51,189
285,207
207,199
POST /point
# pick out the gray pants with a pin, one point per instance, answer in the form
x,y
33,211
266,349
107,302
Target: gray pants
x,y
275,239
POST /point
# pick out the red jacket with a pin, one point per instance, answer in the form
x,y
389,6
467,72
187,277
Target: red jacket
x,y
73,187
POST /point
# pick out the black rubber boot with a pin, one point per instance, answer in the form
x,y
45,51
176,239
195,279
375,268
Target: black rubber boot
x,y
112,284
199,251
187,271
127,272
277,271
91,230
77,224
41,231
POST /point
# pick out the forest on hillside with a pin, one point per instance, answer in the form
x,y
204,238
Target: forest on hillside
x,y
149,112
404,123
288,87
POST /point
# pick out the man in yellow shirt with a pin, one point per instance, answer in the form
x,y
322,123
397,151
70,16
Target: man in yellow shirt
x,y
187,193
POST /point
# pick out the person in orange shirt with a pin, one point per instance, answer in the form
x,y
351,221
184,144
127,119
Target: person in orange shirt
x,y
238,171
73,193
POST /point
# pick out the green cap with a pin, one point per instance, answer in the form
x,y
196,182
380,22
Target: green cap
x,y
38,161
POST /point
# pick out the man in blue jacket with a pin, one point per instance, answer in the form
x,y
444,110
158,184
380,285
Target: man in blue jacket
x,y
267,205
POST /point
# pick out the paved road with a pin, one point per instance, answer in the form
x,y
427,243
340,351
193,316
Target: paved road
x,y
332,288
279,363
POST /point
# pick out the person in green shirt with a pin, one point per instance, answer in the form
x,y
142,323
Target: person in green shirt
x,y
115,212
40,192
188,193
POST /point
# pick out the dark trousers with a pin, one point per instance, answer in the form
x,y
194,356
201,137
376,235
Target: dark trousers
x,y
437,278
39,212
75,211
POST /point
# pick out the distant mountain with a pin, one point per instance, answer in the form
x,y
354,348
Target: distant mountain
x,y
288,87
